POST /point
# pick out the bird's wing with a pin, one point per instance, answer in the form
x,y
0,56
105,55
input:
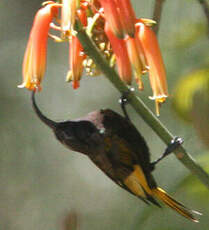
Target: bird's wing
x,y
112,155
127,132
129,155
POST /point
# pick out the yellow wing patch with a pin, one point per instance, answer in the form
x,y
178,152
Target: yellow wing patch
x,y
137,182
133,184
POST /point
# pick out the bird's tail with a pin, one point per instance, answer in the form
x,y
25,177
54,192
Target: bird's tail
x,y
178,207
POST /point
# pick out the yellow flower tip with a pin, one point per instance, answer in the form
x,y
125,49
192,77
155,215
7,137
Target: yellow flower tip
x,y
56,38
65,34
31,86
159,100
140,84
69,76
147,21
21,86
47,3
146,70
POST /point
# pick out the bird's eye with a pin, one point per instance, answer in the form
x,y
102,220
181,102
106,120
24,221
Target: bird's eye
x,y
102,131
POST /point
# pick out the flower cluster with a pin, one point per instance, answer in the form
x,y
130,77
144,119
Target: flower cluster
x,y
126,41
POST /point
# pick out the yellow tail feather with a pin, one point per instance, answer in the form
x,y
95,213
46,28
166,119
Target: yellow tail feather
x,y
178,207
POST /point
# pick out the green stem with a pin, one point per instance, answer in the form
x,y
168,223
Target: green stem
x,y
137,103
158,8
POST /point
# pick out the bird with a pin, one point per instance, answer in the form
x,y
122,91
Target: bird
x,y
116,147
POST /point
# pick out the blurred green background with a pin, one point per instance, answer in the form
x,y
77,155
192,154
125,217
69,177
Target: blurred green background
x,y
42,182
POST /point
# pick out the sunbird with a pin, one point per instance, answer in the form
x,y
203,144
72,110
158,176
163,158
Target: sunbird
x,y
116,147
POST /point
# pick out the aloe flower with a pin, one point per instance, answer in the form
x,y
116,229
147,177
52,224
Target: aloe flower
x,y
137,59
34,63
68,14
120,51
115,30
112,16
76,55
157,73
120,16
127,16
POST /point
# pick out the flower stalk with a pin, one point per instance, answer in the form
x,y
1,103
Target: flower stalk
x,y
158,8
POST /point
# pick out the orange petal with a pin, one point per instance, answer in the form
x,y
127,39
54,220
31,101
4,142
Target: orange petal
x,y
127,16
134,58
34,62
68,14
120,51
76,54
112,16
76,61
157,73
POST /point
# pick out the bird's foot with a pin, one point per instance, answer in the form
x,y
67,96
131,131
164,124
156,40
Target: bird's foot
x,y
124,101
175,143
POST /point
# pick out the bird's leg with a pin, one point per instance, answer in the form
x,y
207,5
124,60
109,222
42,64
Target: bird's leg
x,y
175,143
123,102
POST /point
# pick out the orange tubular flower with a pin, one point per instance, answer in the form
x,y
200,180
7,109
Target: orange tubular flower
x,y
68,14
112,16
121,17
34,63
76,54
137,59
120,51
127,16
157,74
76,62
